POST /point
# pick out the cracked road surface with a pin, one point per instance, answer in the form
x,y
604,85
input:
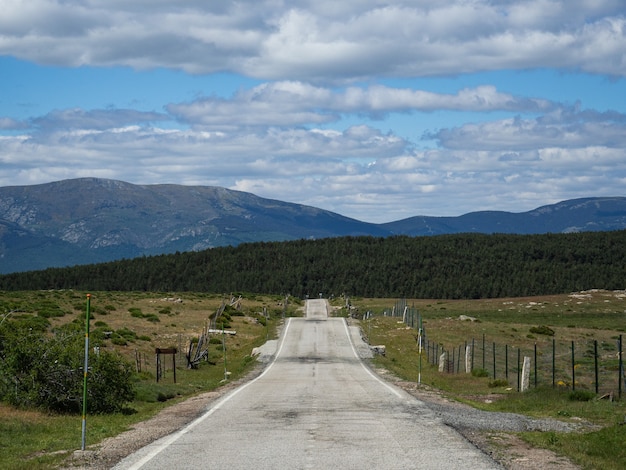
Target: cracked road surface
x,y
317,405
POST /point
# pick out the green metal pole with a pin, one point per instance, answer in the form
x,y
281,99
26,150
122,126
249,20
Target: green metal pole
x,y
85,369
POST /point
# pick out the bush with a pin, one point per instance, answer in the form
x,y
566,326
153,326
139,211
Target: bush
x,y
498,383
542,330
581,395
135,312
39,371
480,373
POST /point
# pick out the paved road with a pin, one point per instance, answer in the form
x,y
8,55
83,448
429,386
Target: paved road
x,y
317,406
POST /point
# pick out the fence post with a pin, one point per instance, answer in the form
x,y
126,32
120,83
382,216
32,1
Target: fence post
x,y
525,374
595,356
519,385
468,359
553,363
494,360
535,365
506,361
453,359
472,355
484,368
573,369
620,369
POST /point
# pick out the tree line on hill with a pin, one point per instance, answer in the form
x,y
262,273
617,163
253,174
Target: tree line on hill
x,y
443,267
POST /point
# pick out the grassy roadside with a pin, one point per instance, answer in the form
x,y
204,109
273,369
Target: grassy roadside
x,y
32,439
594,314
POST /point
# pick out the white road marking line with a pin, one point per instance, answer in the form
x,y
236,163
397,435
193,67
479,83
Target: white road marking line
x,y
380,381
177,435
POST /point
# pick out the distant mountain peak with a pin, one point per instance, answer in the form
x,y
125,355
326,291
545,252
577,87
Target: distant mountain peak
x,y
89,220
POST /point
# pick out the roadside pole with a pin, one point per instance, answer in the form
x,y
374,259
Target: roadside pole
x,y
224,351
419,348
85,369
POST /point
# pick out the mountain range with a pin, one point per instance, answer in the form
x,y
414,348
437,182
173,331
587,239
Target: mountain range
x,y
92,220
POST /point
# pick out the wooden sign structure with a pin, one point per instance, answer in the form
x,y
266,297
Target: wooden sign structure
x,y
160,351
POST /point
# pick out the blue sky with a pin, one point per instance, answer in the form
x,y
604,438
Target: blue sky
x,y
376,110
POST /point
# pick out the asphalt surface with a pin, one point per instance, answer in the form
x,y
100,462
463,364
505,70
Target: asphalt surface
x,y
316,406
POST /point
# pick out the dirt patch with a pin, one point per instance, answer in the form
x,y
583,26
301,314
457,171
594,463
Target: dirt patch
x,y
515,454
504,447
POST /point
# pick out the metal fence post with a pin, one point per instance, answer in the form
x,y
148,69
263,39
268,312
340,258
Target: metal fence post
x,y
573,369
595,358
535,365
553,363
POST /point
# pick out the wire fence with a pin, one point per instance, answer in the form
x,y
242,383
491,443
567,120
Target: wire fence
x,y
591,365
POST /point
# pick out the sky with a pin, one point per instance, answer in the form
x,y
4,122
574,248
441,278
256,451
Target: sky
x,y
377,110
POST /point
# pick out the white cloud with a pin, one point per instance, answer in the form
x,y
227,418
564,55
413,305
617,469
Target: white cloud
x,y
563,130
320,41
316,131
297,103
7,123
344,171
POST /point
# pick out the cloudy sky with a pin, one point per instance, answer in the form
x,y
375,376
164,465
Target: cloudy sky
x,y
378,110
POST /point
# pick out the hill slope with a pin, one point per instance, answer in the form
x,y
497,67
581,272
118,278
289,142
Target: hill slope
x,y
576,215
90,220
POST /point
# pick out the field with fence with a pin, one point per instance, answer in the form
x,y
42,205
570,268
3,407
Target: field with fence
x,y
572,342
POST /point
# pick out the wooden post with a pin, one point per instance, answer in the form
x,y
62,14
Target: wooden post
x,y
160,351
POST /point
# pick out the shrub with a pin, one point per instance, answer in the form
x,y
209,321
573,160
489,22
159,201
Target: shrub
x,y
47,372
581,395
119,341
542,330
135,312
126,333
498,383
480,373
